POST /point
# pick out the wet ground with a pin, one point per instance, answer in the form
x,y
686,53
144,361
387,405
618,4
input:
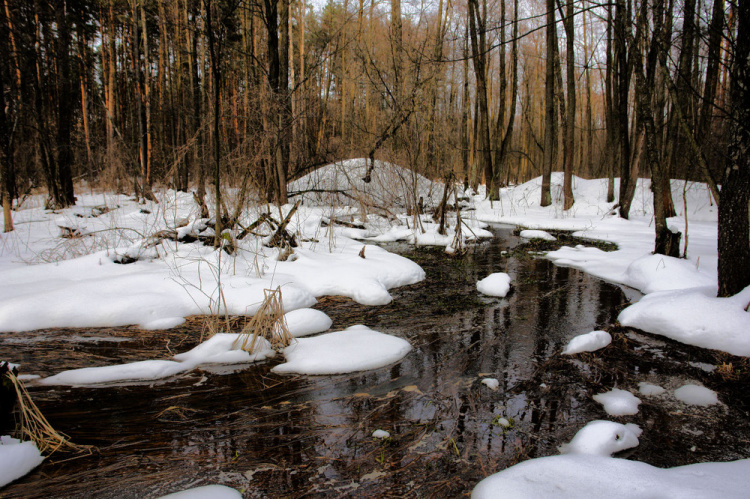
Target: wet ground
x,y
297,436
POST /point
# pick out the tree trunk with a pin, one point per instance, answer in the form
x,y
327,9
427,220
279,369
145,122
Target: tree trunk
x,y
611,156
479,55
6,147
570,76
64,176
667,242
734,227
549,106
628,174
284,100
214,49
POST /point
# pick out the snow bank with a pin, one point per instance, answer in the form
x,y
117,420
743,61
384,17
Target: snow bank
x,y
537,234
589,342
687,310
306,321
17,459
696,395
390,186
216,350
82,281
695,317
578,476
603,438
206,492
497,284
357,348
618,402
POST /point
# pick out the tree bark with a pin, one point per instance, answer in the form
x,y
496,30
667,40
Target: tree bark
x,y
734,227
479,58
64,176
549,107
571,111
628,175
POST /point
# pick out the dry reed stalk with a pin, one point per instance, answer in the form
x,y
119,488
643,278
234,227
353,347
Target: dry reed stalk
x,y
268,323
36,428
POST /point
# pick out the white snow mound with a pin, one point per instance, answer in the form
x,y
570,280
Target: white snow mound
x,y
537,234
306,321
357,348
696,395
206,492
589,342
491,383
618,402
497,284
649,390
581,476
343,184
603,438
696,317
17,459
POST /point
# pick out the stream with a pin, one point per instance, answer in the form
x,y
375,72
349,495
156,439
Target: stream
x,y
272,435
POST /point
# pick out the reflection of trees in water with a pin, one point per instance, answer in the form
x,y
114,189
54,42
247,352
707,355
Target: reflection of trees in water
x,y
313,434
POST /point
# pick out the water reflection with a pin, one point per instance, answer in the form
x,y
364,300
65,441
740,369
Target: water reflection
x,y
273,435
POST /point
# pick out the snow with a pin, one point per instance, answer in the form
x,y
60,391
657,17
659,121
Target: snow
x,y
342,184
504,422
603,438
380,434
357,348
49,281
618,402
581,476
81,284
206,492
589,342
537,234
216,350
649,390
586,470
17,459
497,284
680,294
696,317
696,395
306,321
491,383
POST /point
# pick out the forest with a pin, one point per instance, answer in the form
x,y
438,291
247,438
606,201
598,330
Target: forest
x,y
200,93
375,248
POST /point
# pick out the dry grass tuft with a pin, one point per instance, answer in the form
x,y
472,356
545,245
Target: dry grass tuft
x,y
268,322
35,427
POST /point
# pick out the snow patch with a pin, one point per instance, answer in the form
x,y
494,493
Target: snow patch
x,y
497,284
491,383
650,390
589,342
603,438
17,459
537,234
357,348
618,402
696,395
206,492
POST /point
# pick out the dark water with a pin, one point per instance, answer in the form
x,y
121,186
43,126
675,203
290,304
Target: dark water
x,y
295,436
